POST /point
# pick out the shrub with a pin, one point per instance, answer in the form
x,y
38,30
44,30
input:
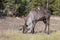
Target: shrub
x,y
56,13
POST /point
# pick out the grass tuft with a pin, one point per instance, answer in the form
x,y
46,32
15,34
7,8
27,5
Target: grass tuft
x,y
21,36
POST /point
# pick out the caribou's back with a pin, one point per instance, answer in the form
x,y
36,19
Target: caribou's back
x,y
39,14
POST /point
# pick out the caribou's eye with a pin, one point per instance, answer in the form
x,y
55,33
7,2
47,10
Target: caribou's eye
x,y
26,25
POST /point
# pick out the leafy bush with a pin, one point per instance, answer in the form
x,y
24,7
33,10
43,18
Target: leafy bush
x,y
56,13
22,7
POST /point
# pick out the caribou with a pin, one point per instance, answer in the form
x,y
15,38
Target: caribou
x,y
34,16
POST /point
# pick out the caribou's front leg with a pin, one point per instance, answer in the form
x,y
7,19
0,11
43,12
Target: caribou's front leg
x,y
32,31
31,28
24,29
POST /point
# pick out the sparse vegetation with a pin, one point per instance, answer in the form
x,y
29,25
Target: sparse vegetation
x,y
20,36
17,35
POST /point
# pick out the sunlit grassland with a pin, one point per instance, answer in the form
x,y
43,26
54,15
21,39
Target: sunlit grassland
x,y
37,36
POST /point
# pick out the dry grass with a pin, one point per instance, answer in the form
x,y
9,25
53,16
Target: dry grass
x,y
20,36
7,23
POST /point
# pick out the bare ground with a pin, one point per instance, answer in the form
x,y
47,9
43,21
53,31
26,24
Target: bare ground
x,y
14,24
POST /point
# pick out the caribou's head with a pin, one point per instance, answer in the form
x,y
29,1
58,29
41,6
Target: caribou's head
x,y
27,27
24,28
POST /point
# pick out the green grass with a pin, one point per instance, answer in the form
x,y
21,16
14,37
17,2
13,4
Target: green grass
x,y
21,36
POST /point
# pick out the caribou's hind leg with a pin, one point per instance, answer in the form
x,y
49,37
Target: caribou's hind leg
x,y
46,22
45,25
